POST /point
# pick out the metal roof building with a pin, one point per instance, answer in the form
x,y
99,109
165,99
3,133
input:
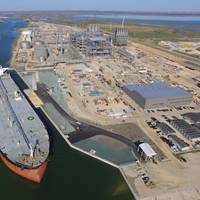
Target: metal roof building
x,y
165,128
147,151
190,132
179,143
158,95
193,117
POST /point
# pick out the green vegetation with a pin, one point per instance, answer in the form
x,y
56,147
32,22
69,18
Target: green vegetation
x,y
155,34
148,34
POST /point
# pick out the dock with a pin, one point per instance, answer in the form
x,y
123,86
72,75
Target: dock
x,y
130,173
33,97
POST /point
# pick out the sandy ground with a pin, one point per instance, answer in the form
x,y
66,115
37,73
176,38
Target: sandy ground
x,y
172,181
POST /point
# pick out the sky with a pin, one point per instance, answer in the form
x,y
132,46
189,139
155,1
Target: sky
x,y
112,5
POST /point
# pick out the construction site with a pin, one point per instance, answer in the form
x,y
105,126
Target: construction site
x,y
44,45
188,48
145,99
92,42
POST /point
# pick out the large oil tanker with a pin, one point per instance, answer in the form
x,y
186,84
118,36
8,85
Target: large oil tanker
x,y
24,141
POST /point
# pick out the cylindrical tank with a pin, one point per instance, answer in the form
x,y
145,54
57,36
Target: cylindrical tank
x,y
25,45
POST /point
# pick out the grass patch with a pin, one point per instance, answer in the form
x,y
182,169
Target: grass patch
x,y
145,33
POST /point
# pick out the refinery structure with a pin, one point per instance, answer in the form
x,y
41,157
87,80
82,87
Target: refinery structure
x,y
92,42
120,36
132,106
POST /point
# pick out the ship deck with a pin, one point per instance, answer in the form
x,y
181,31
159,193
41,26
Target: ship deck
x,y
23,137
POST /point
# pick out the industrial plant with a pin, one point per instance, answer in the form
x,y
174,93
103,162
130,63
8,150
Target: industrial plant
x,y
120,36
129,105
92,42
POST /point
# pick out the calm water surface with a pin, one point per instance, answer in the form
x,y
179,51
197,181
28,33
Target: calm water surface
x,y
70,175
176,22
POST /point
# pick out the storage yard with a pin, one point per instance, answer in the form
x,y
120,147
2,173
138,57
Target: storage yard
x,y
44,45
147,104
188,48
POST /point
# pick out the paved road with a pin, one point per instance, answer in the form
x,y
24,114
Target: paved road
x,y
88,130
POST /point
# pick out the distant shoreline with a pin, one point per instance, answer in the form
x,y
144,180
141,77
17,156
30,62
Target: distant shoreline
x,y
148,13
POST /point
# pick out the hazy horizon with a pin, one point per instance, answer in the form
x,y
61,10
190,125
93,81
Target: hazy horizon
x,y
103,5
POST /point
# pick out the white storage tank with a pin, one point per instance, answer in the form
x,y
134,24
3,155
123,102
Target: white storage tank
x,y
25,45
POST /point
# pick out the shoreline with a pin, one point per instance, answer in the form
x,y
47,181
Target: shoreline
x,y
137,195
91,155
167,184
65,137
15,44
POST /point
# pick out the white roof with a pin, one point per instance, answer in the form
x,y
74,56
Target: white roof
x,y
28,32
146,148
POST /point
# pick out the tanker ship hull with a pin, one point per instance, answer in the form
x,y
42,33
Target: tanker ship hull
x,y
24,140
34,175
